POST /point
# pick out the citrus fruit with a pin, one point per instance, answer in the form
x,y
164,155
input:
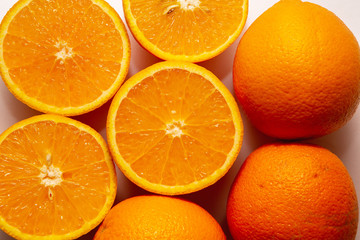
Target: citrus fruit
x,y
57,179
174,128
292,191
186,30
158,217
63,56
297,71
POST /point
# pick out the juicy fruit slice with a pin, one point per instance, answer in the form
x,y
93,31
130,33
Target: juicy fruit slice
x,y
187,30
63,56
174,128
57,179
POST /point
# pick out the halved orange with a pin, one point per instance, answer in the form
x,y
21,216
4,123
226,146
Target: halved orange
x,y
174,128
186,30
64,57
57,179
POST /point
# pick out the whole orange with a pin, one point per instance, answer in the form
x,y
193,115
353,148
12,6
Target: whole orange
x,y
159,217
297,71
292,191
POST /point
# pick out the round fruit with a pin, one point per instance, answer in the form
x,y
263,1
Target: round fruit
x,y
186,30
57,179
174,128
292,191
158,217
63,57
297,71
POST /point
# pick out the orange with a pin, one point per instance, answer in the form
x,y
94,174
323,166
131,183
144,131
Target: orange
x,y
292,191
57,180
297,71
174,128
159,217
186,30
63,56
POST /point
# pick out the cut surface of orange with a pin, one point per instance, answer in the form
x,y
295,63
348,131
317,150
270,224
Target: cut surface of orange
x,y
57,179
186,30
174,128
63,56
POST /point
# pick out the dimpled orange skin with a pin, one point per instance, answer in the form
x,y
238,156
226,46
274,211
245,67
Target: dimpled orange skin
x,y
297,71
159,217
292,191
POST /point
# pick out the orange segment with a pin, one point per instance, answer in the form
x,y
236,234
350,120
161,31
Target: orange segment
x,y
217,135
135,144
174,128
26,26
29,53
190,30
31,208
211,110
204,160
142,97
150,166
178,170
65,56
59,173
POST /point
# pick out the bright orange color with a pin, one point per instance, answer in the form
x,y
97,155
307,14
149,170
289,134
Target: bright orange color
x,y
174,128
57,180
186,30
159,217
63,56
297,71
292,191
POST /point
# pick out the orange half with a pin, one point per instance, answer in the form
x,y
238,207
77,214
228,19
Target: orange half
x,y
63,56
186,30
174,128
57,179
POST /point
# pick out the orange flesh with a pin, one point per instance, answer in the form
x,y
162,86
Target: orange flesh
x,y
177,136
207,24
63,65
40,202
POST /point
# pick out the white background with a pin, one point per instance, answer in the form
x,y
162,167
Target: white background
x,y
345,143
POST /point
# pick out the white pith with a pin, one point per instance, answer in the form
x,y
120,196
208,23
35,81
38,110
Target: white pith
x,y
189,4
64,51
174,128
50,176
